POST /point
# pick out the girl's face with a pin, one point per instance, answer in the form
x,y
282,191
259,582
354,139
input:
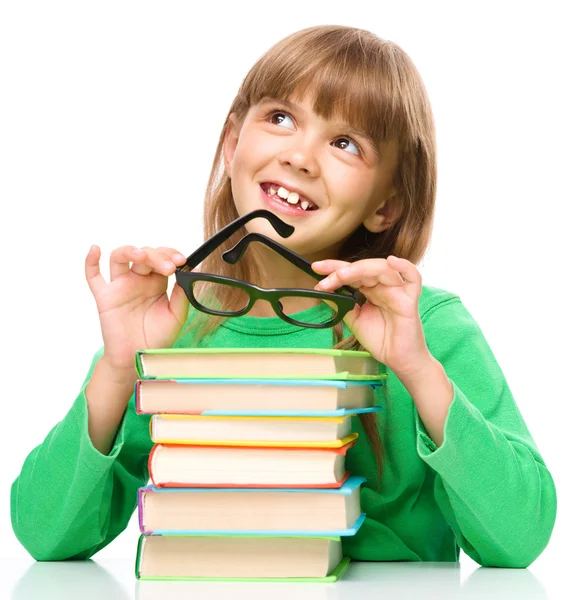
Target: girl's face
x,y
337,170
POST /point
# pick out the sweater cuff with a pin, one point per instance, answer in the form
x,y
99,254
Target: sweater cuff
x,y
458,416
90,455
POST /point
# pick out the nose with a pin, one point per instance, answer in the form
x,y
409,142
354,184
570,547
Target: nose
x,y
301,155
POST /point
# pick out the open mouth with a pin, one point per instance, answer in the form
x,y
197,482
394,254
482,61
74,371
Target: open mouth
x,y
291,199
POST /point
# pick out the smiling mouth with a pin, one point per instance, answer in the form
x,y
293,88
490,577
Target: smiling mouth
x,y
291,199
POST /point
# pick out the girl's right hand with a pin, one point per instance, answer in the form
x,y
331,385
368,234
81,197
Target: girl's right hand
x,y
134,309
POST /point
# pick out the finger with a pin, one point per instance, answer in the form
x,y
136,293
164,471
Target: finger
x,y
174,255
160,260
408,271
367,273
163,260
119,261
142,263
328,265
92,272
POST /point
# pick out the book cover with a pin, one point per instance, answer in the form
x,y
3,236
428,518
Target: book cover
x,y
173,484
331,577
348,488
244,363
270,423
255,396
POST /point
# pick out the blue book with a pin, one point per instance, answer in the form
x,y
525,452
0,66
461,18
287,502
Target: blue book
x,y
256,397
233,511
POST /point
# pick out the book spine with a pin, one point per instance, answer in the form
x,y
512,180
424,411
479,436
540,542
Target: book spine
x,y
208,444
174,484
140,543
311,444
151,462
138,365
140,501
137,395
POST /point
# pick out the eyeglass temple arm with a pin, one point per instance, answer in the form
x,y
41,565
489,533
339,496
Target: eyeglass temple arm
x,y
282,228
236,253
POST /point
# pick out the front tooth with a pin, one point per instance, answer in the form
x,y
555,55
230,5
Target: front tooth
x,y
283,193
293,198
304,204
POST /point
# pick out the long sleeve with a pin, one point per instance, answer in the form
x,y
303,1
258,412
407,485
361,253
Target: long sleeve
x,y
69,500
491,483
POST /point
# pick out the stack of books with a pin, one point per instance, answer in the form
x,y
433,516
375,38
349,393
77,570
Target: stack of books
x,y
248,464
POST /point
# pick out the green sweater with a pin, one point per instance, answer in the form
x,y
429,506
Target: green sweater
x,y
486,489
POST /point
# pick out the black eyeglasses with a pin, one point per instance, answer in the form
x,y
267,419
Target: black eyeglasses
x,y
344,299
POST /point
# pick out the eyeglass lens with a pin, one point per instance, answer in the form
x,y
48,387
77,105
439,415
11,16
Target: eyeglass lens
x,y
207,292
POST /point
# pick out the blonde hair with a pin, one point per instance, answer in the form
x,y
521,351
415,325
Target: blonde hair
x,y
370,83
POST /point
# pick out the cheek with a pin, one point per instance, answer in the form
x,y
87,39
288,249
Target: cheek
x,y
351,189
251,152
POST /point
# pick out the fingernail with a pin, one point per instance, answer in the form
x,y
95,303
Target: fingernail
x,y
323,283
178,257
168,265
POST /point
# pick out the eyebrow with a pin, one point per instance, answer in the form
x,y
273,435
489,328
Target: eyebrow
x,y
266,100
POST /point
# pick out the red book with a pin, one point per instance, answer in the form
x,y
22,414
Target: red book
x,y
179,465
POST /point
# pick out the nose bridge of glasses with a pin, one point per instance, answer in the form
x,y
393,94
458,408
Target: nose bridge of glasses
x,y
235,254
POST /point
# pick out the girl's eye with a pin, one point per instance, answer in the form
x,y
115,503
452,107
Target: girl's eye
x,y
278,113
274,116
349,141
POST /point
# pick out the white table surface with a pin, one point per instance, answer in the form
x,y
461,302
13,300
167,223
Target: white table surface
x,y
114,580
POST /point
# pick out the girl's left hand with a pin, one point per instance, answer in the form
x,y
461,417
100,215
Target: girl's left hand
x,y
388,325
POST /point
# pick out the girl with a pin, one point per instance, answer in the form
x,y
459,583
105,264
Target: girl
x,y
340,120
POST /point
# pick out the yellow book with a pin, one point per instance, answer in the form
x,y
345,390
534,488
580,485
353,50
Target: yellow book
x,y
206,430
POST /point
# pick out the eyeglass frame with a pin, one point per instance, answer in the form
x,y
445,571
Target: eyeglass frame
x,y
345,298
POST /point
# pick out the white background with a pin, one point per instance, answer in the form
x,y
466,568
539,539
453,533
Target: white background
x,y
110,114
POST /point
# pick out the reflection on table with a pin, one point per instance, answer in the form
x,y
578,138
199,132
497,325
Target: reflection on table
x,y
89,580
82,579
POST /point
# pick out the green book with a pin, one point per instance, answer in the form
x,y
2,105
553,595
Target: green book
x,y
251,363
239,558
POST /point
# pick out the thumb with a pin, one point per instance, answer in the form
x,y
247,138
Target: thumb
x,y
179,303
349,317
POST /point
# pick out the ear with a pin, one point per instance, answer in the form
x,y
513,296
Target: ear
x,y
385,215
230,141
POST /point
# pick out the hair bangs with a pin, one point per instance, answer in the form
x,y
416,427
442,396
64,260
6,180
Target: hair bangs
x,y
356,84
